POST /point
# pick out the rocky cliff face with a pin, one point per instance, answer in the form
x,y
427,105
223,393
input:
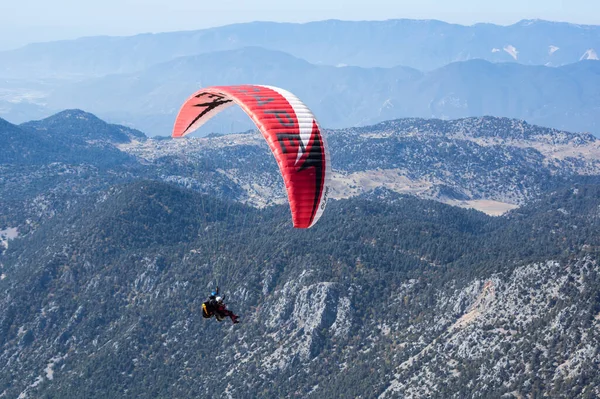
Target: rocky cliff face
x,y
502,334
387,296
434,302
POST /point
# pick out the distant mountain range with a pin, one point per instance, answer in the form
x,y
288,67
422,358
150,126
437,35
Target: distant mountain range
x,y
564,97
420,44
561,97
349,73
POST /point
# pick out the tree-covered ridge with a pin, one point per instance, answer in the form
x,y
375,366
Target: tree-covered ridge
x,y
466,162
78,124
386,293
46,165
70,137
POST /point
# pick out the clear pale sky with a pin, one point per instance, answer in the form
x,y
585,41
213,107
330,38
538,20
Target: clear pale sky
x,y
23,21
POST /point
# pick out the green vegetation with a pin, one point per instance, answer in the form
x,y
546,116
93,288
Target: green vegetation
x,y
115,287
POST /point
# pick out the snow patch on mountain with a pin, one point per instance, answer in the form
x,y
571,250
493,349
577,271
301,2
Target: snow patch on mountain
x,y
590,55
512,51
387,104
552,49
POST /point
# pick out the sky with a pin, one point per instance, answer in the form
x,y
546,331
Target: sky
x,y
25,21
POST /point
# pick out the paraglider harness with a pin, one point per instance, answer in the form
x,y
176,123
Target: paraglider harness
x,y
214,306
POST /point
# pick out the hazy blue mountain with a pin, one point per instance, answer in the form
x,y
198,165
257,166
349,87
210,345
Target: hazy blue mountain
x,y
560,97
421,44
150,100
563,97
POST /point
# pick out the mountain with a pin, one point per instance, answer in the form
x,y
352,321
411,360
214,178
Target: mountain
x,y
556,97
71,135
399,297
141,80
420,44
562,97
46,164
111,241
150,100
490,164
80,126
17,145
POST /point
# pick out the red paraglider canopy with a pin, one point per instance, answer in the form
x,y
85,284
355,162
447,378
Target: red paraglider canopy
x,y
291,131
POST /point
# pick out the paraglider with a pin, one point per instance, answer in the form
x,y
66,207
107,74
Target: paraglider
x,y
215,306
291,131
